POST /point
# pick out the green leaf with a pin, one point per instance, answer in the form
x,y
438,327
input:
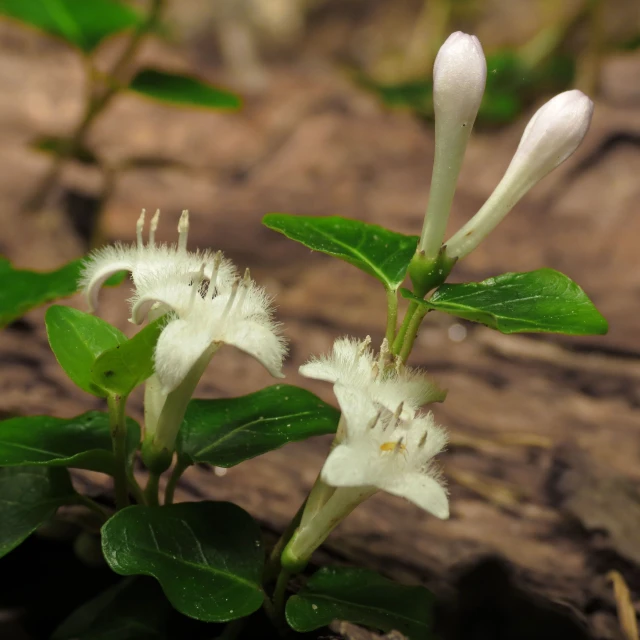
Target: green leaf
x,y
182,90
121,369
83,442
536,301
28,497
82,23
377,251
207,556
77,339
133,609
22,290
226,432
363,597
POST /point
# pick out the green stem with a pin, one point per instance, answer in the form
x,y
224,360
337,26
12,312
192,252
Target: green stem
x,y
94,506
399,341
233,629
392,315
152,488
280,592
118,428
273,566
411,333
96,105
274,608
174,478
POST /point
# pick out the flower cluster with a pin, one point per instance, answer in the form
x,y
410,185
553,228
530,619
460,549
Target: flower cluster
x,y
206,305
384,440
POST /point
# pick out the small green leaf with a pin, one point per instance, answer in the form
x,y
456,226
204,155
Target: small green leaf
x,y
182,90
133,609
536,301
83,442
207,556
363,597
226,432
23,290
123,368
77,339
82,23
28,497
377,251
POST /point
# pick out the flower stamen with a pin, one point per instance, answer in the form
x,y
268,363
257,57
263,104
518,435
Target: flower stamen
x,y
183,231
232,299
195,286
364,346
244,288
139,229
375,419
217,261
384,354
153,227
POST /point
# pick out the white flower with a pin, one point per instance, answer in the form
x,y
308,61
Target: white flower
x,y
383,451
147,262
199,320
352,363
552,135
459,77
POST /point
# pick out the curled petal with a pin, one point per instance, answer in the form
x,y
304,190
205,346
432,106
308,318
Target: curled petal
x,y
421,489
259,341
179,347
172,294
100,266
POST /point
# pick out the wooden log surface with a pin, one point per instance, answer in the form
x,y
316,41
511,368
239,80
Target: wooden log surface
x,y
544,463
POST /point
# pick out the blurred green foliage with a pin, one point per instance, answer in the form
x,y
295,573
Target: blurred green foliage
x,y
82,23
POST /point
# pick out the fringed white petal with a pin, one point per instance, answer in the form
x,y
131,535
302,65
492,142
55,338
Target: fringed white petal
x,y
421,489
172,293
257,340
358,410
346,466
353,363
161,263
179,346
350,362
100,266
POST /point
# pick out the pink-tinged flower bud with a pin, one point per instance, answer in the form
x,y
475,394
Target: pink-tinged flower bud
x,y
459,76
552,135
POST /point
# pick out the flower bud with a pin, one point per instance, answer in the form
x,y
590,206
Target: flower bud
x,y
459,76
552,135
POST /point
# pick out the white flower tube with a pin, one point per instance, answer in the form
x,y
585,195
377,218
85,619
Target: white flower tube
x,y
459,77
552,135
